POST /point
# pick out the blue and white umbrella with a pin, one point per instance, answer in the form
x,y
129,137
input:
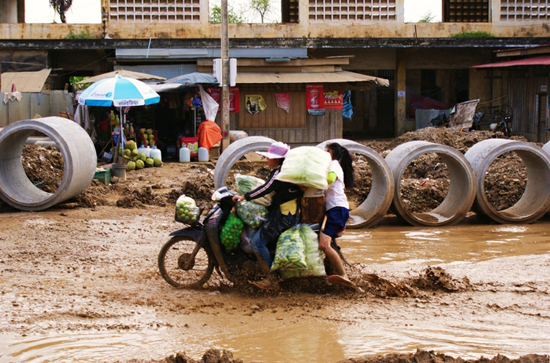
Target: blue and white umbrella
x,y
119,92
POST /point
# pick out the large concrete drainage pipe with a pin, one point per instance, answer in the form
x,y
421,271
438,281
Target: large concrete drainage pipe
x,y
234,152
461,192
79,160
377,203
535,201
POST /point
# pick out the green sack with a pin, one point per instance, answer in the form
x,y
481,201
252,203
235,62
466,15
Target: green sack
x,y
314,256
252,214
247,183
290,251
231,231
306,166
187,210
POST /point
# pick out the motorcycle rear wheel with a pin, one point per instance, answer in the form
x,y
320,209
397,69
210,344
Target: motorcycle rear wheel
x,y
176,268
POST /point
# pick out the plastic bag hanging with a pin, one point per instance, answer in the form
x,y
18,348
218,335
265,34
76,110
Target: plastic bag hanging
x,y
209,105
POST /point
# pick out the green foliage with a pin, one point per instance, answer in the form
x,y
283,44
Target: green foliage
x,y
74,79
477,34
427,18
85,34
261,6
233,17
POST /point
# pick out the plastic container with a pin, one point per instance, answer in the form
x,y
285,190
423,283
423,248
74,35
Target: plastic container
x,y
142,149
119,170
185,154
192,144
156,153
203,154
148,151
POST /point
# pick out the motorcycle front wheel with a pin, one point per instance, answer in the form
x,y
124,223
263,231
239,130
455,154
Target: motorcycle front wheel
x,y
178,266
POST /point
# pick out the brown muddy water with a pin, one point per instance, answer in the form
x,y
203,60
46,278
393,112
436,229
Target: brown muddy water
x,y
507,310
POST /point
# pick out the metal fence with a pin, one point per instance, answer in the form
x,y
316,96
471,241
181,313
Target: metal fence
x,y
48,103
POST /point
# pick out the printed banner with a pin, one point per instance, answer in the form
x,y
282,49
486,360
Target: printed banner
x,y
334,100
315,103
216,94
254,103
283,101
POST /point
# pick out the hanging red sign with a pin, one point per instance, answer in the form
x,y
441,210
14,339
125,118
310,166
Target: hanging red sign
x,y
216,94
334,100
315,103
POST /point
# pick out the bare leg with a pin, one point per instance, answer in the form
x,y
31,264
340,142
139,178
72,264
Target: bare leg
x,y
332,255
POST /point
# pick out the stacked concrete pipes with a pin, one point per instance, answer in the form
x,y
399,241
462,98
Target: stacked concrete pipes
x,y
466,174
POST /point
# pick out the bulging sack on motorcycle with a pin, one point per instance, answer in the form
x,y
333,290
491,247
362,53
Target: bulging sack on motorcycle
x,y
252,214
231,231
247,183
187,210
306,166
290,250
313,256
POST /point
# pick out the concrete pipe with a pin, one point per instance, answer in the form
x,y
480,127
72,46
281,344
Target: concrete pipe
x,y
460,196
79,160
546,147
535,201
234,152
380,196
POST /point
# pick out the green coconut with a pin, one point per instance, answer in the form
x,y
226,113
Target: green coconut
x,y
149,162
140,164
126,152
149,131
131,145
135,153
142,156
157,162
130,166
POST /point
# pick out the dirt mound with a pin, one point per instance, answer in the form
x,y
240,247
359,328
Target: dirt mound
x,y
424,185
422,356
459,139
436,278
43,166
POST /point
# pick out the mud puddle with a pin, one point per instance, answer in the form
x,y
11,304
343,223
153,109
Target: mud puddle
x,y
93,293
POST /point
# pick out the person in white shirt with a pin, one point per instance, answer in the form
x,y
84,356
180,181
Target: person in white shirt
x,y
340,176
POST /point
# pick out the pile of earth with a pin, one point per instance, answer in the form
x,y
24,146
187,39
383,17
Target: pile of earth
x,y
420,356
424,184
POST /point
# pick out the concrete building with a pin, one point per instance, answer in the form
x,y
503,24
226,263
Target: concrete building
x,y
433,60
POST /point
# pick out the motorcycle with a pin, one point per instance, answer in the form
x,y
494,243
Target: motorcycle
x,y
191,255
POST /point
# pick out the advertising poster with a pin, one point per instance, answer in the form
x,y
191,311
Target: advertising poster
x,y
283,101
334,100
216,94
254,103
315,103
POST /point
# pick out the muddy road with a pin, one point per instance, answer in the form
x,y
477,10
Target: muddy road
x,y
82,285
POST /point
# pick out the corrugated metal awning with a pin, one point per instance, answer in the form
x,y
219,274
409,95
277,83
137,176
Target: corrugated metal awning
x,y
309,77
25,81
537,61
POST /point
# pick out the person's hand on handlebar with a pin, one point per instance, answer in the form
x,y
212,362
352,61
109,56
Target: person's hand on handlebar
x,y
238,198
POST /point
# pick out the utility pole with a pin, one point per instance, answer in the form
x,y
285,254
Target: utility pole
x,y
225,75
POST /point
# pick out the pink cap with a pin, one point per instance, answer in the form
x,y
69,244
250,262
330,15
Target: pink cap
x,y
277,150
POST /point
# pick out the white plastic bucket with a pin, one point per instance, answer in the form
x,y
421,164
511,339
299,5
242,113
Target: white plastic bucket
x,y
185,155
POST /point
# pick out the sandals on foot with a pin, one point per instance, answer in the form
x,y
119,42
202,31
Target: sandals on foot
x,y
266,284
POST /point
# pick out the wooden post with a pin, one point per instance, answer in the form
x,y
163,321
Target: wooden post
x,y
225,75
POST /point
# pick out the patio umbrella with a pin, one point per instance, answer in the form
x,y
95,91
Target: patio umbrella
x,y
193,78
119,92
122,73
